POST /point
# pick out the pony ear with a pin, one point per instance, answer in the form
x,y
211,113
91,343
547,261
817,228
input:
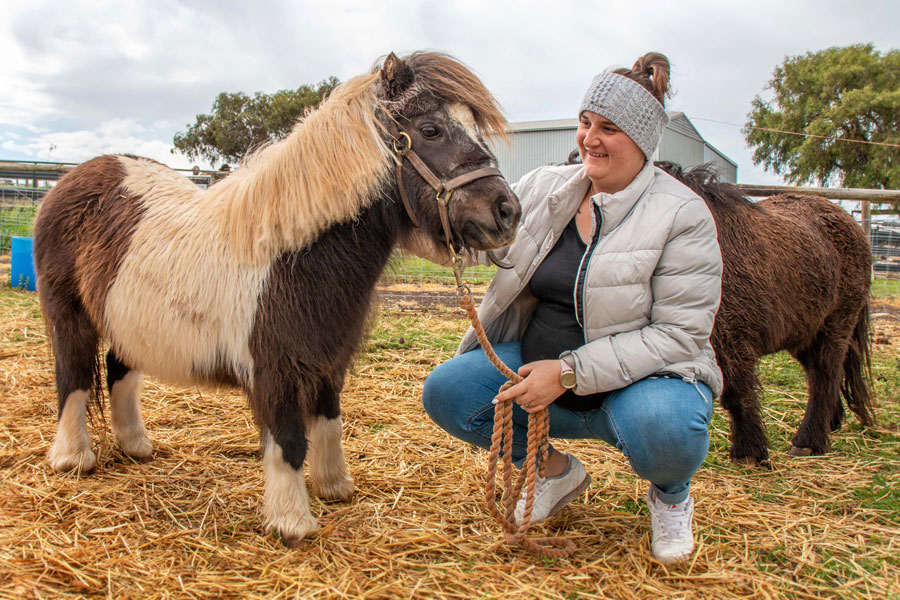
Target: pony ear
x,y
396,76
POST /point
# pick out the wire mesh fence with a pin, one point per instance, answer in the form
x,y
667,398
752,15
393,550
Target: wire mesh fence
x,y
18,207
884,239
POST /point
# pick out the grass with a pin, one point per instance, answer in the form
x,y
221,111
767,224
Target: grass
x,y
886,290
186,524
405,268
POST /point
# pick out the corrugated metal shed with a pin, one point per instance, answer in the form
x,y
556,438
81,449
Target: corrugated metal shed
x,y
536,143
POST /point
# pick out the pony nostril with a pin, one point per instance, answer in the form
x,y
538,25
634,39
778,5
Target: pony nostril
x,y
506,213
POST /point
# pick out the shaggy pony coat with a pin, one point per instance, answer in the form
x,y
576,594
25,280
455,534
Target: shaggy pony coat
x,y
796,277
264,280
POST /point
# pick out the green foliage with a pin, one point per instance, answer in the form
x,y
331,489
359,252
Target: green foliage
x,y
239,123
850,93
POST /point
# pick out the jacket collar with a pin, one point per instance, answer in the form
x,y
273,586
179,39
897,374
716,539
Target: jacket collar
x,y
614,207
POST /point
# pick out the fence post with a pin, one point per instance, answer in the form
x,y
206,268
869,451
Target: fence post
x,y
866,219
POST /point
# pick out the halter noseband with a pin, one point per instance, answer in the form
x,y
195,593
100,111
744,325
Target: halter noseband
x,y
402,145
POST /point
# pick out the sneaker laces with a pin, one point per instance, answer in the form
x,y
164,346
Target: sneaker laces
x,y
540,483
671,520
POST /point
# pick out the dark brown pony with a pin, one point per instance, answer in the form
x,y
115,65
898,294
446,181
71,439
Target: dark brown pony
x,y
796,277
264,280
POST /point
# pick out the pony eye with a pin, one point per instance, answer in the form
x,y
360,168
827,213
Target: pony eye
x,y
429,131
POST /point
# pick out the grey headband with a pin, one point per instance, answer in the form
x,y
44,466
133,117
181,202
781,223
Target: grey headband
x,y
630,107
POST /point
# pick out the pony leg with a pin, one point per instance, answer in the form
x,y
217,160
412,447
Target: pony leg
x,y
75,346
740,397
285,502
71,449
278,406
125,406
823,361
328,473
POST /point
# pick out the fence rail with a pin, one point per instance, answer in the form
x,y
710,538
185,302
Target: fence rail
x,y
877,196
409,278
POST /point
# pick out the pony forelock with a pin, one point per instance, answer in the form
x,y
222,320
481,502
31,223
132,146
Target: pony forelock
x,y
451,81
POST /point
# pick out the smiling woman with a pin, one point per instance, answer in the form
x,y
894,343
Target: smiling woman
x,y
611,159
606,312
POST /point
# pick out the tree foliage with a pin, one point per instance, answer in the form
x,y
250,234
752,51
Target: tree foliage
x,y
840,94
239,123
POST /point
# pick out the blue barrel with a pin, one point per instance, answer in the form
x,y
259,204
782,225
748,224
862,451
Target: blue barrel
x,y
21,273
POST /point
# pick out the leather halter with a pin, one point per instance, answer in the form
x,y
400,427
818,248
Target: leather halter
x,y
402,145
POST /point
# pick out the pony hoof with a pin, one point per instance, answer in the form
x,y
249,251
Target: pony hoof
x,y
796,452
292,534
292,542
138,448
744,461
341,489
83,461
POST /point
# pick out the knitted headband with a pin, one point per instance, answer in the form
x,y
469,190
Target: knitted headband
x,y
630,107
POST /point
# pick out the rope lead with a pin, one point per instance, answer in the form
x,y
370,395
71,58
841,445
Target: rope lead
x,y
538,442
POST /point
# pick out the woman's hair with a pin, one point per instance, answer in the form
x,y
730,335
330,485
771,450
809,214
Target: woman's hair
x,y
651,71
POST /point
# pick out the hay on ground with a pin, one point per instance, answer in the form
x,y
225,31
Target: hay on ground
x,y
187,523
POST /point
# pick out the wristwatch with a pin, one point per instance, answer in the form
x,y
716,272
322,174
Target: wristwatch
x,y
566,375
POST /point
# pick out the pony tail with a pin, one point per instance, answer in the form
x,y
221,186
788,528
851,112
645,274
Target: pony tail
x,y
652,71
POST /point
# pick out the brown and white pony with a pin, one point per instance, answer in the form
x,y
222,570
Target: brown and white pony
x,y
264,280
796,276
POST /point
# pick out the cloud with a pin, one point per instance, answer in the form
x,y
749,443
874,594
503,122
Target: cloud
x,y
115,136
93,76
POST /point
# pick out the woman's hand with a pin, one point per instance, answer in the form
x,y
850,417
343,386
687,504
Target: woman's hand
x,y
539,389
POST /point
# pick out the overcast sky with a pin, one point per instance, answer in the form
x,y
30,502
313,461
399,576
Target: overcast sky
x,y
80,78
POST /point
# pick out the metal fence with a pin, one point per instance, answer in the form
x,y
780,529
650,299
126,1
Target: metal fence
x,y
415,282
18,207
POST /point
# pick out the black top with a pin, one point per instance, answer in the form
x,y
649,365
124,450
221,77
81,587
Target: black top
x,y
554,328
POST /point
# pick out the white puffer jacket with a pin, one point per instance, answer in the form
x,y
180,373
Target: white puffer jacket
x,y
650,280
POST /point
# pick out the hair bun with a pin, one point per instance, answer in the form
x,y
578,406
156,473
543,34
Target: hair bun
x,y
655,68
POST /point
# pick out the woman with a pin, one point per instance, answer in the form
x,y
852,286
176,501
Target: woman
x,y
606,313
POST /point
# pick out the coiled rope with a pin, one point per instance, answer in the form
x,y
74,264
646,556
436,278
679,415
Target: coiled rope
x,y
538,445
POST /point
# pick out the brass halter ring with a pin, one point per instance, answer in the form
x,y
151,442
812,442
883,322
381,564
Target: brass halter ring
x,y
402,135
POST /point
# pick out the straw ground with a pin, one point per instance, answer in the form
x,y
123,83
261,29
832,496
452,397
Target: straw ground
x,y
187,524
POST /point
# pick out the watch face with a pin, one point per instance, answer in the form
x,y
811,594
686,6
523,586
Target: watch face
x,y
567,379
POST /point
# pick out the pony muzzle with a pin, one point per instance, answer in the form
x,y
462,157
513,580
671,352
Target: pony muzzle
x,y
484,225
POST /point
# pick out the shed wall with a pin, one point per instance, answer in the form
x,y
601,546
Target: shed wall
x,y
531,148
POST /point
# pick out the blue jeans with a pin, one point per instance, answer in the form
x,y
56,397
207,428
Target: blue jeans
x,y
659,423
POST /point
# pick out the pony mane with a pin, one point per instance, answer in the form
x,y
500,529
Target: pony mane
x,y
703,180
326,171
451,81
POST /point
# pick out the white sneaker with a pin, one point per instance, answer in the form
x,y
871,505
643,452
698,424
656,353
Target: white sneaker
x,y
673,539
551,494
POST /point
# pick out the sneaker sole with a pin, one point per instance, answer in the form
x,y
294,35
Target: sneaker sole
x,y
570,496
